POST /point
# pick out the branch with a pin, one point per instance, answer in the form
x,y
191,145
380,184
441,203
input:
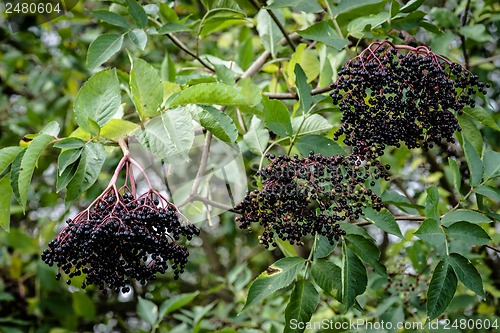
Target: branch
x,y
492,248
462,38
183,47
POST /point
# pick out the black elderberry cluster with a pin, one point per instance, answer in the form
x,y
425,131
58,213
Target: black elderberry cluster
x,y
302,196
121,237
393,93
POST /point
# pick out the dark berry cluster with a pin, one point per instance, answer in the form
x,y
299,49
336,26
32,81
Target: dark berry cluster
x,y
121,236
394,93
302,196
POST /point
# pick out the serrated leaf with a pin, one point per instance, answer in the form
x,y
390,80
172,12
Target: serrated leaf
x,y
112,18
5,200
118,128
491,163
319,144
103,48
277,117
323,247
89,168
303,89
469,233
312,124
411,6
257,137
7,155
66,158
384,220
139,38
138,13
466,215
175,303
306,6
15,171
69,143
431,232
147,311
328,277
476,167
324,33
269,31
98,100
441,288
470,131
68,174
455,173
431,203
210,93
303,302
354,278
168,71
170,136
467,273
28,163
483,116
278,275
215,121
367,251
146,88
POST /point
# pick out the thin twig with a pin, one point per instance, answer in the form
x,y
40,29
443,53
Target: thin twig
x,y
462,37
492,248
183,47
484,60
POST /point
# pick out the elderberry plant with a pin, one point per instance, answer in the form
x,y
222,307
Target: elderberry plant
x,y
396,93
302,196
122,236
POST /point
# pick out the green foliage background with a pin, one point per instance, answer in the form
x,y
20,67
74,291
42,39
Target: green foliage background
x,y
110,69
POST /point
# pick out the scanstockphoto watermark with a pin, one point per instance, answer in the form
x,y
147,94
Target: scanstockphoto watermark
x,y
363,324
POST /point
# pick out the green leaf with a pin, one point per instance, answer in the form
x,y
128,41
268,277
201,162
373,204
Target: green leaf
x,y
66,158
346,6
324,33
103,48
14,174
170,136
367,251
319,144
118,128
470,131
328,277
5,200
395,8
139,38
277,117
147,310
323,247
431,232
466,215
7,155
410,21
69,143
476,32
491,163
303,89
83,306
476,167
168,71
310,124
303,302
354,278
175,303
489,191
257,137
68,174
411,5
112,18
359,25
384,220
51,128
269,31
215,121
278,275
138,13
306,6
441,288
146,88
98,101
456,174
431,203
171,27
89,168
28,163
469,233
483,116
467,273
210,93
